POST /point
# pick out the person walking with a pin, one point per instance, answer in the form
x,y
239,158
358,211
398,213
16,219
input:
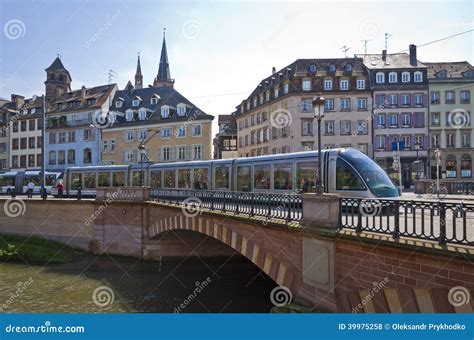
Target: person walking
x,y
60,189
31,186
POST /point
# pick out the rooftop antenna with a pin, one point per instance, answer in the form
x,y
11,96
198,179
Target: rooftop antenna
x,y
365,45
112,74
345,49
386,40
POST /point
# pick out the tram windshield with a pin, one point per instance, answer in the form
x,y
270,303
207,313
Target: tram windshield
x,y
373,175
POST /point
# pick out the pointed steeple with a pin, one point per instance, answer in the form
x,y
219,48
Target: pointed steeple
x,y
138,75
58,80
163,78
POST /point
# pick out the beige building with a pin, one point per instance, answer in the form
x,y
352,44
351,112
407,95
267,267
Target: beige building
x,y
278,116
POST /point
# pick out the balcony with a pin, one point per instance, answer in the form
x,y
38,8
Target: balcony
x,y
58,123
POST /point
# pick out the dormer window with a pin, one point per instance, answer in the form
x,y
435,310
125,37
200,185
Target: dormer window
x,y
275,92
142,114
255,102
181,109
154,99
248,106
380,78
405,77
165,112
135,102
118,104
418,77
348,68
129,115
306,84
267,96
443,74
261,99
328,84
33,110
392,77
286,88
332,68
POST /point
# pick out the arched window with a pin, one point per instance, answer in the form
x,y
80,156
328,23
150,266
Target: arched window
x,y
392,77
405,77
418,76
466,166
380,77
451,165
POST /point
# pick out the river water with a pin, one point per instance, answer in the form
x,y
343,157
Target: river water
x,y
114,284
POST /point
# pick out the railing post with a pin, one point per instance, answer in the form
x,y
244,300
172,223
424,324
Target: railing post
x,y
442,223
212,200
288,216
236,199
270,202
223,203
396,230
359,216
252,199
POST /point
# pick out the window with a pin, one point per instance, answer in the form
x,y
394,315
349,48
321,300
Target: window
x,y
62,137
142,114
261,99
380,120
405,77
465,97
181,152
15,126
380,142
393,120
420,141
52,138
451,165
286,88
407,141
283,177
118,179
418,99
129,116
435,140
31,125
329,105
393,100
118,104
344,85
197,152
406,120
466,166
184,178
450,97
345,126
244,180
181,131
345,104
23,126
154,100
201,178
306,173
306,105
142,134
181,110
418,77
23,143
135,102
52,158
466,139
346,178
275,92
267,96
328,85
362,104
329,127
197,130
31,142
221,177
435,121
392,77
165,153
87,156
262,177
71,156
306,85
31,161
380,78
405,100
450,139
306,127
129,136
166,133
362,127
361,84
332,68
435,97
112,145
165,112
61,157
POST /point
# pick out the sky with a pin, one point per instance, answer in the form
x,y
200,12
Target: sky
x,y
218,51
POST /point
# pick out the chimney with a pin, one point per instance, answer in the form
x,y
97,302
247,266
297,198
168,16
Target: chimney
x,y
384,55
413,61
18,100
83,92
274,70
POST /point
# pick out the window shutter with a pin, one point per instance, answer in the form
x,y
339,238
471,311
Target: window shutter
x,y
425,100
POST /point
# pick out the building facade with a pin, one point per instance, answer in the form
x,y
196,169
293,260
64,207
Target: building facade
x,y
451,119
225,142
7,108
400,115
278,116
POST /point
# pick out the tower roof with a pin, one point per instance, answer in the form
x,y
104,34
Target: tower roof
x,y
164,69
139,67
57,65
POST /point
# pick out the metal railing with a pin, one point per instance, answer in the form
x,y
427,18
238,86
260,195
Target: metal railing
x,y
453,186
287,207
444,222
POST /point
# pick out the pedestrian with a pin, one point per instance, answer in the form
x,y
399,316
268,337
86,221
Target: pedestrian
x,y
60,188
31,186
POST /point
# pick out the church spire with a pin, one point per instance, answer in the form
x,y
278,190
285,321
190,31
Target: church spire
x,y
138,75
163,78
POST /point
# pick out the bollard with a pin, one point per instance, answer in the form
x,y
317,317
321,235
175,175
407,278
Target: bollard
x,y
79,194
13,193
44,193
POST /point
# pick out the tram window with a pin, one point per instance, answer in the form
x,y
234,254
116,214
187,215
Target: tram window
x,y
136,178
155,179
118,179
262,177
76,180
346,178
104,179
89,180
184,178
306,176
221,177
49,180
169,179
283,176
34,179
243,178
201,178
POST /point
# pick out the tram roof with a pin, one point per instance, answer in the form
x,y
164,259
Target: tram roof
x,y
98,167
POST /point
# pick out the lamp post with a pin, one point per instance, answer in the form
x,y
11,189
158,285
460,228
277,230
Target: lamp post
x,y
318,106
417,148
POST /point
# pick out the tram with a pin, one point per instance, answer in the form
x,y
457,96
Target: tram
x,y
18,181
347,172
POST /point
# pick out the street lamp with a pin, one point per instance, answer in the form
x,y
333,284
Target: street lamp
x,y
417,148
318,106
